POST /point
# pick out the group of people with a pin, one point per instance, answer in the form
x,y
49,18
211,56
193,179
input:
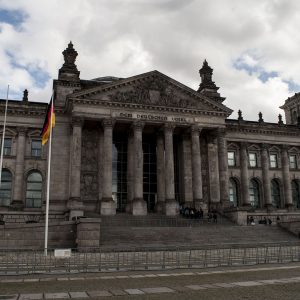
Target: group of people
x,y
265,221
193,213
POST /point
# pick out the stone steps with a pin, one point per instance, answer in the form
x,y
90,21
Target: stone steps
x,y
119,237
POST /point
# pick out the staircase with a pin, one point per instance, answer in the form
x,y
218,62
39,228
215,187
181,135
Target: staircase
x,y
126,231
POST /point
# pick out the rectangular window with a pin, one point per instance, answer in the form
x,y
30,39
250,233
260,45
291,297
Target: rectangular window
x,y
293,161
231,158
252,160
273,161
36,148
7,146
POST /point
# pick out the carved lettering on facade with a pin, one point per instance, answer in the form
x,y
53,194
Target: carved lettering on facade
x,y
152,117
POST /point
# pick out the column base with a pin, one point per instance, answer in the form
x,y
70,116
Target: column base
x,y
198,203
128,207
171,207
17,205
247,206
290,207
159,207
269,207
225,204
108,207
75,207
139,207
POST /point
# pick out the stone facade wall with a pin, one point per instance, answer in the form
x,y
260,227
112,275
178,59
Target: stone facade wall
x,y
21,236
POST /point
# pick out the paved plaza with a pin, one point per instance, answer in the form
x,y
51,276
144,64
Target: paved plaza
x,y
270,282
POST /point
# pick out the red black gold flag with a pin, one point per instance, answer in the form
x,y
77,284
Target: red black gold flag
x,y
49,120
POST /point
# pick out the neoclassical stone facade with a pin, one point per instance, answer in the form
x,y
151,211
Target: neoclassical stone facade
x,y
146,144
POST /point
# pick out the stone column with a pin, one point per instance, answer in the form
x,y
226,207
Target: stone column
x,y
186,169
286,177
213,169
100,168
172,207
130,172
108,205
139,206
265,177
223,168
196,167
244,175
160,171
75,204
18,201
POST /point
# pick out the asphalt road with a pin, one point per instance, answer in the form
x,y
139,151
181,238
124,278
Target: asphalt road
x,y
228,283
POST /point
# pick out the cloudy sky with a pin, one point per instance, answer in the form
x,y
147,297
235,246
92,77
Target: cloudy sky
x,y
252,45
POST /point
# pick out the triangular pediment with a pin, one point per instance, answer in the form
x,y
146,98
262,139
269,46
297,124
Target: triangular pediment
x,y
152,89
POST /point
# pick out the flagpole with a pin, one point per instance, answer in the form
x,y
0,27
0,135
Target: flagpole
x,y
3,136
48,182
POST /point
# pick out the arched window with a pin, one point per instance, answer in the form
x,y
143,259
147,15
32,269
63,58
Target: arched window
x,y
275,189
34,190
295,193
233,192
5,189
254,193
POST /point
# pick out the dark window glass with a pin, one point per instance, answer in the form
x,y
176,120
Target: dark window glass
x,y
273,161
34,190
252,160
293,161
36,148
254,193
295,193
119,165
5,190
231,158
233,192
6,146
275,189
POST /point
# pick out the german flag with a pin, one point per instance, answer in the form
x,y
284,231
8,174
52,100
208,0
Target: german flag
x,y
49,122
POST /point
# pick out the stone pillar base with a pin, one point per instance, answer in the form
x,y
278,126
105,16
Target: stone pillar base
x,y
75,207
269,207
139,207
159,207
290,207
247,206
108,207
128,207
171,207
17,205
225,204
198,203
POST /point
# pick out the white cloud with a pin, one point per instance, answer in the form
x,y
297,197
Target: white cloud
x,y
128,37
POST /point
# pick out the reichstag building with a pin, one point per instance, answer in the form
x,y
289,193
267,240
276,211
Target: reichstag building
x,y
146,144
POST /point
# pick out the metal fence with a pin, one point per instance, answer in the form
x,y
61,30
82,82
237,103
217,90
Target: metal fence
x,y
34,261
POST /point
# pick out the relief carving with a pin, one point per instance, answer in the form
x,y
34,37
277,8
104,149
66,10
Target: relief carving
x,y
157,93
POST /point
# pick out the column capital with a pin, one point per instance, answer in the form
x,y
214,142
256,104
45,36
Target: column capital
x,y
108,123
168,127
221,132
212,139
264,146
244,145
22,130
77,121
284,148
195,129
138,125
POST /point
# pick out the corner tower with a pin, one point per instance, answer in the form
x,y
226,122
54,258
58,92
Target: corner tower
x,y
291,109
68,77
208,87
